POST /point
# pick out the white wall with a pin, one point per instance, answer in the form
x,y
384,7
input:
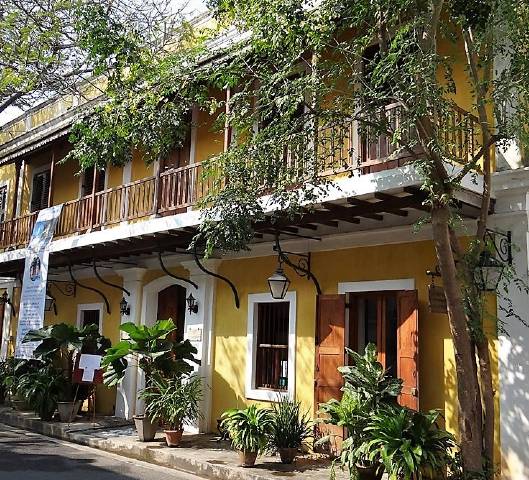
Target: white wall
x,y
512,207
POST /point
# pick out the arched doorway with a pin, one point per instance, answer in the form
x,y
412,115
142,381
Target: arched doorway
x,y
172,304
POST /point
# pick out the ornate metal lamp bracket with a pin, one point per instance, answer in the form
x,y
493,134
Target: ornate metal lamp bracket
x,y
176,277
113,285
502,243
68,289
302,267
86,287
216,275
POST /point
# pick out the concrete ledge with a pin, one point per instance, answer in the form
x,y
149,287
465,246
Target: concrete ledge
x,y
199,455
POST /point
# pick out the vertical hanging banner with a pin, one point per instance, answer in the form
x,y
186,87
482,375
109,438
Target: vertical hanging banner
x,y
33,295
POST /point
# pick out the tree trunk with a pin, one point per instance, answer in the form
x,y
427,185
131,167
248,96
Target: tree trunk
x,y
469,418
487,392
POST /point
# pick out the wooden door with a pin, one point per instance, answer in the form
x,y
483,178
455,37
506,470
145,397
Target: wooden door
x,y
408,348
330,354
171,304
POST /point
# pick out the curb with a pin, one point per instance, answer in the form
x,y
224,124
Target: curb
x,y
165,457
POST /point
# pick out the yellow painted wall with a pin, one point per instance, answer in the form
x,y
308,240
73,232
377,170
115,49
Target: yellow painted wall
x,y
139,168
209,141
386,262
7,175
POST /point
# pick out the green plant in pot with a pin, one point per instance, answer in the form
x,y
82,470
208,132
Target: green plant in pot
x,y
43,387
410,444
16,369
59,346
290,429
174,402
249,431
156,355
5,371
367,388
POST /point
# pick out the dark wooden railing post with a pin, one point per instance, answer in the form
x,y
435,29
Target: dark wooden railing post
x,y
93,199
52,169
156,205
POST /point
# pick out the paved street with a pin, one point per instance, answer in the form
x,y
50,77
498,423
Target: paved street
x,y
29,456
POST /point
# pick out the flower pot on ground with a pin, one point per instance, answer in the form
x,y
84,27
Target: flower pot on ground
x,y
174,402
68,410
247,459
249,429
290,430
145,427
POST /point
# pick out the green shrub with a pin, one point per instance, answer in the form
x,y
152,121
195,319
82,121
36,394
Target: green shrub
x,y
249,428
290,429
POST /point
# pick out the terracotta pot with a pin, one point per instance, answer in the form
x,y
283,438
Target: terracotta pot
x,y
287,455
68,410
145,428
173,437
247,459
369,473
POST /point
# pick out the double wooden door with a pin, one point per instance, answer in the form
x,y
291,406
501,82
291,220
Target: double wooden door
x,y
388,319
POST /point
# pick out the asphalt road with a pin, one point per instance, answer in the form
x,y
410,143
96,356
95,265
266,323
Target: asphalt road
x,y
28,456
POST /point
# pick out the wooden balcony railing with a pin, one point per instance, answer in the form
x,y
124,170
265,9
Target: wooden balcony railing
x,y
341,147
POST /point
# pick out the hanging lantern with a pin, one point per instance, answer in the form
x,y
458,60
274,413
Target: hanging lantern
x,y
192,304
488,272
278,283
48,303
124,307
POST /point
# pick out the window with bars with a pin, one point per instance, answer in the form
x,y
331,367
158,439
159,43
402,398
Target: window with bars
x,y
271,362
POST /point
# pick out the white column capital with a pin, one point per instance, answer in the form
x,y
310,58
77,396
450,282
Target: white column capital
x,y
134,274
212,264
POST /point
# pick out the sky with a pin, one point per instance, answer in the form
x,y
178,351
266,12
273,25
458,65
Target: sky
x,y
193,7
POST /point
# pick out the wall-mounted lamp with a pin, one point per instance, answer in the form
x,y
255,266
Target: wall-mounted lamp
x,y
192,304
124,307
488,272
278,283
49,303
5,300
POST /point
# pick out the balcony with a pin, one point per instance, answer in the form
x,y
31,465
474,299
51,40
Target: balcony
x,y
174,191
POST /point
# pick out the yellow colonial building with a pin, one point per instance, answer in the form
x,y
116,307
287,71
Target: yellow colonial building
x,y
357,269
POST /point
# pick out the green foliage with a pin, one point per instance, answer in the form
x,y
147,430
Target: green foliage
x,y
154,351
42,388
248,428
381,433
51,48
16,368
175,401
410,444
290,428
58,347
368,379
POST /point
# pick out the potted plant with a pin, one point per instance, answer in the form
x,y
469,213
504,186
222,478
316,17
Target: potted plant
x,y
16,369
249,430
367,388
156,354
410,444
290,429
43,387
59,345
4,371
173,402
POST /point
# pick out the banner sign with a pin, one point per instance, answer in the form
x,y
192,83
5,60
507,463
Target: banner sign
x,y
33,297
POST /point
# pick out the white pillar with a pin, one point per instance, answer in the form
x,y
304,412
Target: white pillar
x,y
512,210
127,391
199,329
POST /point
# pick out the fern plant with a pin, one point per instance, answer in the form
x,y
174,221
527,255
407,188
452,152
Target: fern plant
x,y
290,428
249,428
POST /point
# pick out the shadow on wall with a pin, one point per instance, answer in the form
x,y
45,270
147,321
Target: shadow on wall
x,y
514,394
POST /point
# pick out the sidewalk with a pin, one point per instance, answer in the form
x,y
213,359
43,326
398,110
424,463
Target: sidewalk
x,y
200,454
